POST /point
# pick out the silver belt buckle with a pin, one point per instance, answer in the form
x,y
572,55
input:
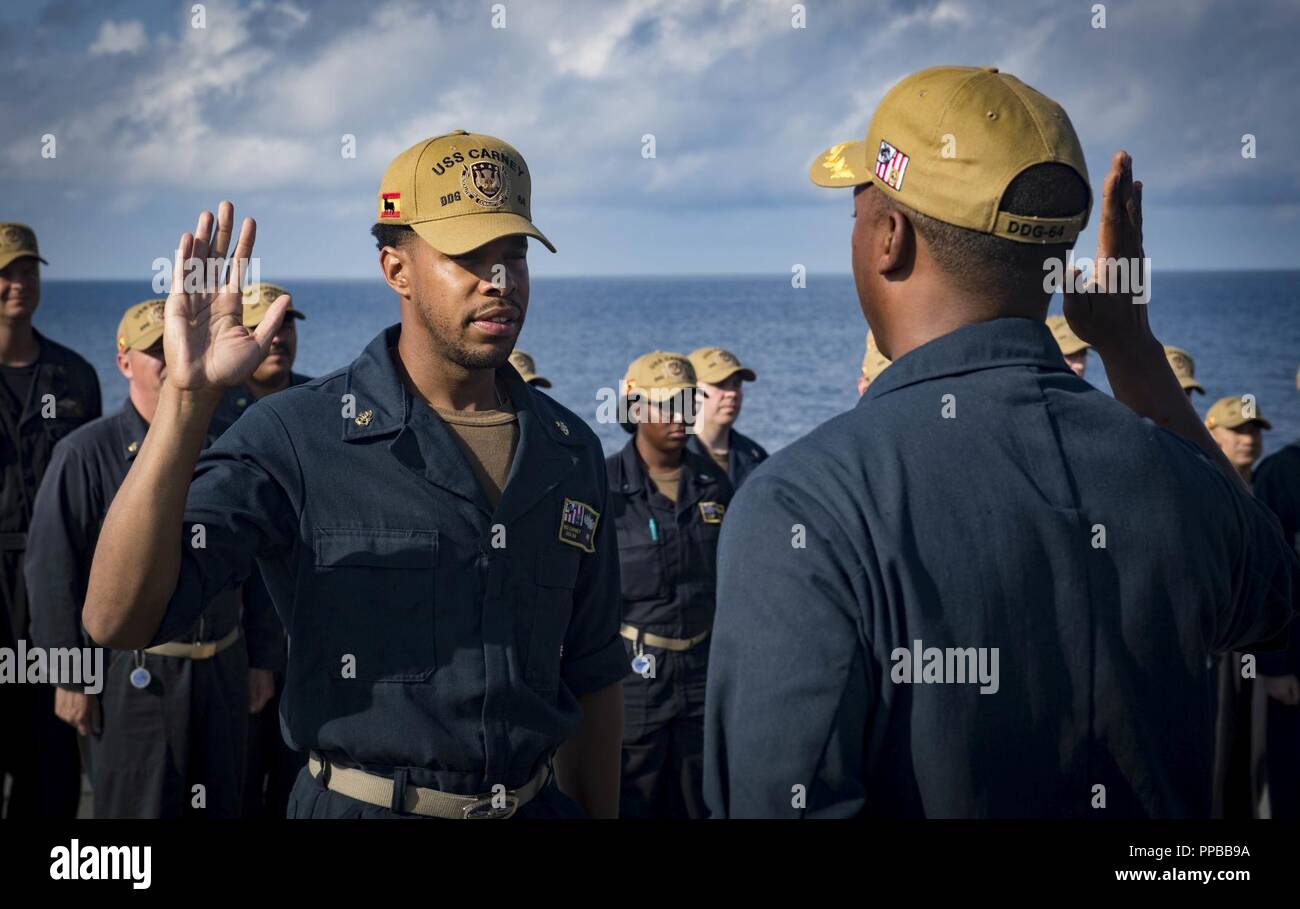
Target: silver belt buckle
x,y
484,809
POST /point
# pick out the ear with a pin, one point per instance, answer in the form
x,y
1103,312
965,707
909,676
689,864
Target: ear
x,y
396,265
896,248
124,365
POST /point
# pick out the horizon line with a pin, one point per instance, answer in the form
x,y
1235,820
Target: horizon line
x,y
678,276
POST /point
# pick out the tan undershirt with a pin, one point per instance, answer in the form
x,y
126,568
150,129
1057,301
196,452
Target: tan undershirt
x,y
488,439
666,483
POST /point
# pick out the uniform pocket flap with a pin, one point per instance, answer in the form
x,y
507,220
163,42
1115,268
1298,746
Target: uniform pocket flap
x,y
344,547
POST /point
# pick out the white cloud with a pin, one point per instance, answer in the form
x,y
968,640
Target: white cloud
x,y
681,37
120,38
738,101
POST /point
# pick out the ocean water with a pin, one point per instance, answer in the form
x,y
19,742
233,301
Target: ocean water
x,y
1242,328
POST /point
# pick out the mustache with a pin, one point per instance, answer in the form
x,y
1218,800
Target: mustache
x,y
509,304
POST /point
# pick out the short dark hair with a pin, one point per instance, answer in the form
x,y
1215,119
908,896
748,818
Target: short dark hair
x,y
393,235
997,267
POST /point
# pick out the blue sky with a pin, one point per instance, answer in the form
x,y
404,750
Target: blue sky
x,y
155,120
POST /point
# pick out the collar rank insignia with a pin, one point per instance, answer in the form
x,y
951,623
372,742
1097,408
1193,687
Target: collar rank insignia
x,y
363,418
562,426
712,512
578,522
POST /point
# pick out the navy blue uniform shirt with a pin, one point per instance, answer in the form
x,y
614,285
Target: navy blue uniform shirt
x,y
981,496
84,474
28,433
743,457
266,640
427,633
668,569
238,399
1277,485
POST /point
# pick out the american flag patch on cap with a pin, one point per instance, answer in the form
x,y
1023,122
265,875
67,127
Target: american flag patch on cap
x,y
891,165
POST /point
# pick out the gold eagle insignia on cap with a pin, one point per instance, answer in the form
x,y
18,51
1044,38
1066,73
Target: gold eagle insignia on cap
x,y
835,163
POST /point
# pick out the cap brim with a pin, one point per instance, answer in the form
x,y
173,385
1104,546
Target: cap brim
x,y
745,373
1190,383
13,257
146,340
842,165
1072,349
290,314
1264,424
539,381
457,236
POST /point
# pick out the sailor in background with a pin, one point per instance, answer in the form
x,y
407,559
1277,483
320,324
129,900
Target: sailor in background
x,y
668,506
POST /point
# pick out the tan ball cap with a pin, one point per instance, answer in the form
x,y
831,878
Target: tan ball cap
x,y
1184,367
141,326
1066,339
16,241
873,361
659,375
714,365
1234,412
258,299
527,369
947,141
458,192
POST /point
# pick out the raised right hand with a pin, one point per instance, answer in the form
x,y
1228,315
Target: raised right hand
x,y
1106,317
206,345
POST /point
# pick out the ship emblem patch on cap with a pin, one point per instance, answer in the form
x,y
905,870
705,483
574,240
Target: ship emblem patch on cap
x,y
578,522
390,205
485,183
891,165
